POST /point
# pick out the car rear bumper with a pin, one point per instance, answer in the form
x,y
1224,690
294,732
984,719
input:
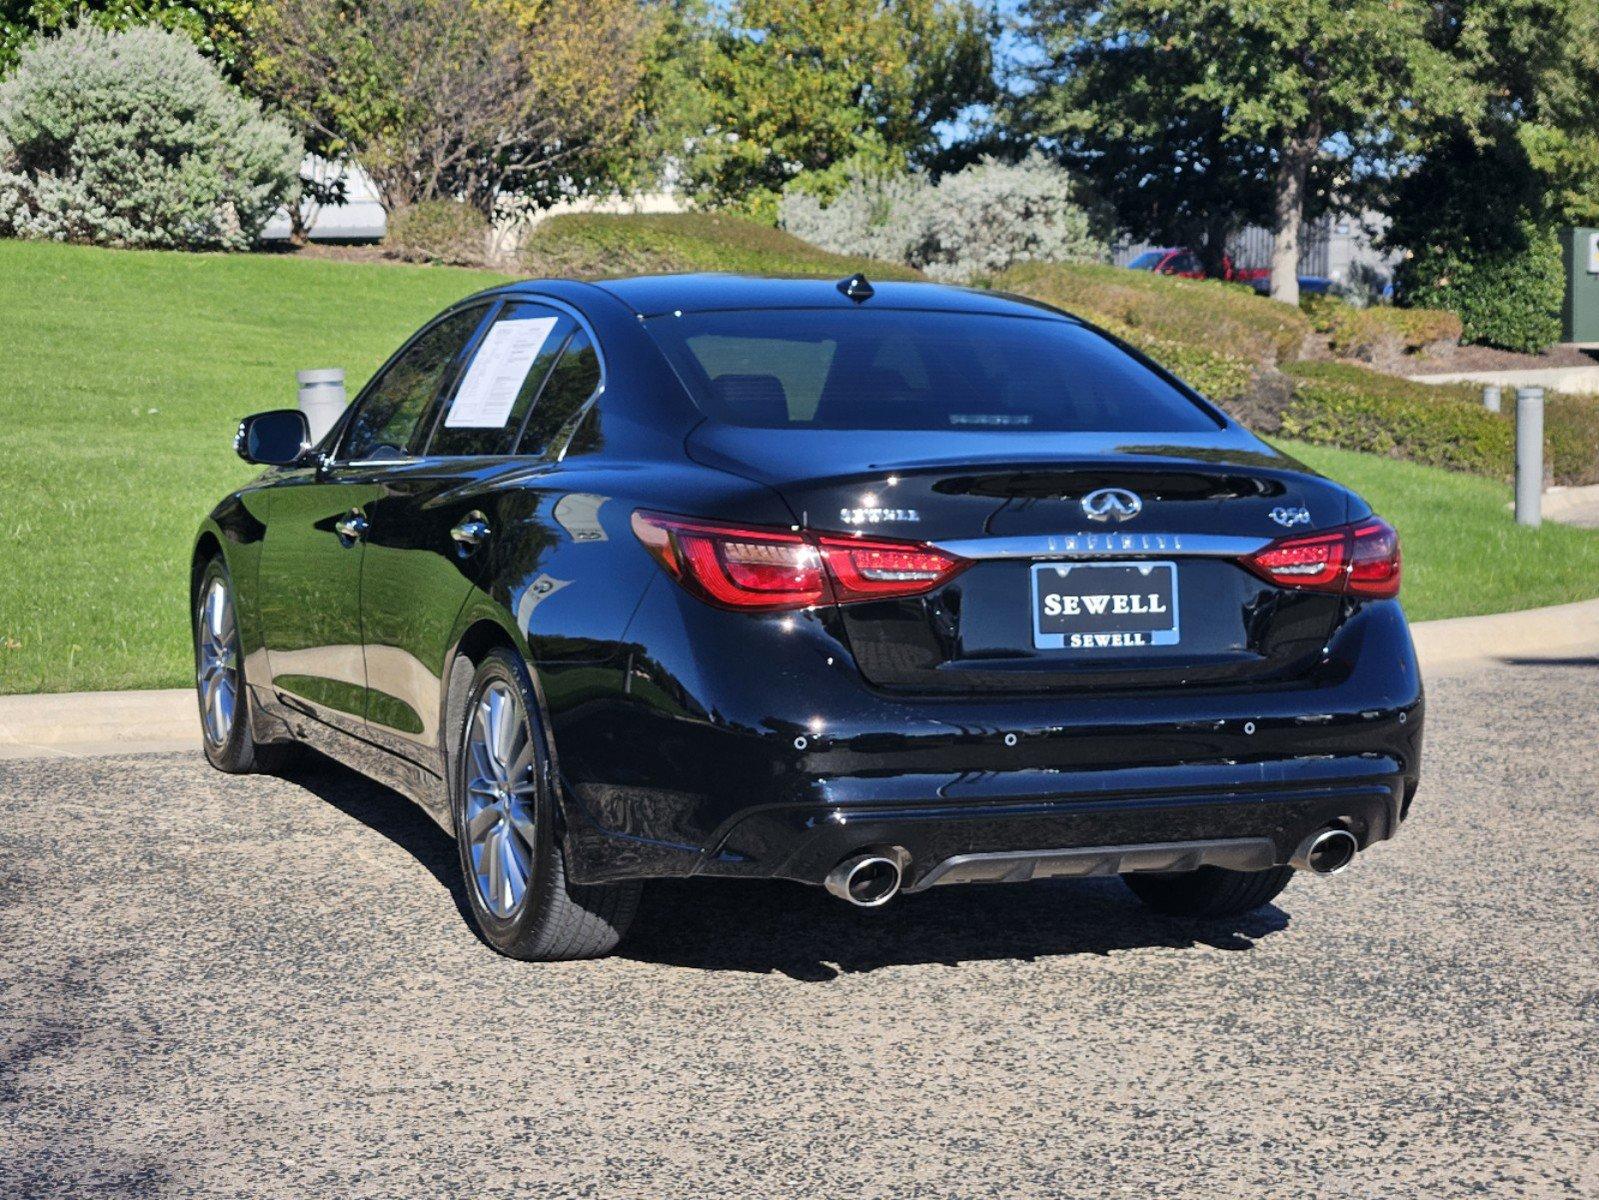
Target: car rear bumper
x,y
1154,826
705,768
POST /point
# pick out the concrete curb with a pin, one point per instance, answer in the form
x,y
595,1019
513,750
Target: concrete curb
x,y
90,724
1563,631
87,724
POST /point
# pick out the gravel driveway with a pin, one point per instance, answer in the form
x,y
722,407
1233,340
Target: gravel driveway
x,y
224,987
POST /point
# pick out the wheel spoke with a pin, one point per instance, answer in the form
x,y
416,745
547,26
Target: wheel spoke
x,y
516,868
503,730
523,822
479,823
493,868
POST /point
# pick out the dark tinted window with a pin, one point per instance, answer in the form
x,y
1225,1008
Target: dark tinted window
x,y
1186,263
573,381
394,403
501,382
1147,261
888,369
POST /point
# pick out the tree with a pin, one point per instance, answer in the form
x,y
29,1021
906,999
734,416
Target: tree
x,y
1479,215
215,26
493,102
1277,103
824,87
132,138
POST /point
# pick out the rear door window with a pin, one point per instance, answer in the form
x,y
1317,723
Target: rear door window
x,y
572,381
498,387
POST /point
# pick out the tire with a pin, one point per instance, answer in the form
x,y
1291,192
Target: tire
x,y
501,791
1209,891
229,744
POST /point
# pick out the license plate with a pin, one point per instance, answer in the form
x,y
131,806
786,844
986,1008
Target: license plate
x,y
1104,605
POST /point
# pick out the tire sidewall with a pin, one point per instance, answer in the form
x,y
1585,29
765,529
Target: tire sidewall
x,y
504,933
228,754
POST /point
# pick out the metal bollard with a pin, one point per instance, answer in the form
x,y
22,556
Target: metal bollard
x,y
1492,397
321,398
1529,456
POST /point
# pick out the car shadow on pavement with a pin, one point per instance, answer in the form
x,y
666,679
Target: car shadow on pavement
x,y
1528,661
385,811
767,926
804,933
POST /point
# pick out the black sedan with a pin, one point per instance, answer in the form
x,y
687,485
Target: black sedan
x,y
881,589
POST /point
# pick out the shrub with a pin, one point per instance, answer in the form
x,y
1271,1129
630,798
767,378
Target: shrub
x,y
875,215
133,139
601,244
969,225
1507,297
1571,438
1217,337
441,231
1347,406
1379,333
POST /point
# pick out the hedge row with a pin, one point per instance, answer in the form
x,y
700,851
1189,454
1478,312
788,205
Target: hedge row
x,y
1379,332
1227,320
1339,404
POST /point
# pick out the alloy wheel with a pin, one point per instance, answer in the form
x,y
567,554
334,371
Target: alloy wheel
x,y
217,673
501,800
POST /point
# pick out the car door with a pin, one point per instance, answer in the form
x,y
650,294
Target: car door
x,y
432,521
310,570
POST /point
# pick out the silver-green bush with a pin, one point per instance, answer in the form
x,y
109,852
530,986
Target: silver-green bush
x,y
972,223
133,139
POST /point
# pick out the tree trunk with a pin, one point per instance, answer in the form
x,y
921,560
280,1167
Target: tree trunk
x,y
1288,203
1213,251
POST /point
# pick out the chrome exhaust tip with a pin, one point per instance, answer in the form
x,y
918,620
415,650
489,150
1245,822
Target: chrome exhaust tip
x,y
868,880
1326,852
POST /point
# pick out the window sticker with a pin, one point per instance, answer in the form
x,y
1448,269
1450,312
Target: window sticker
x,y
488,393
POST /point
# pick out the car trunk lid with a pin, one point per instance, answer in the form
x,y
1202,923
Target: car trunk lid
x,y
1141,588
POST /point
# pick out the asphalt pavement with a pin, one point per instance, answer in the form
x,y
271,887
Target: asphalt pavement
x,y
217,986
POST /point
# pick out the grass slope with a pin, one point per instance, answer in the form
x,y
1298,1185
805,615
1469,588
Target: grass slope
x,y
1463,554
126,372
593,245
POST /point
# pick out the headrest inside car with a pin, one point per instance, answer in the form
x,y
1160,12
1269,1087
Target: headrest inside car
x,y
752,399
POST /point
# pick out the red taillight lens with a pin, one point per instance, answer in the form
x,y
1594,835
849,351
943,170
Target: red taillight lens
x,y
1362,559
751,569
1374,569
769,569
865,569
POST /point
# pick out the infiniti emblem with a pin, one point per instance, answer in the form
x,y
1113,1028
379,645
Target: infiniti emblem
x,y
1112,504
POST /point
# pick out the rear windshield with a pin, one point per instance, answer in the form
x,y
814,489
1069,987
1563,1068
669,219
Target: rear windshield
x,y
893,369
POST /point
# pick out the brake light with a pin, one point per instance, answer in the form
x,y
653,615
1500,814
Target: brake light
x,y
769,569
863,569
1360,559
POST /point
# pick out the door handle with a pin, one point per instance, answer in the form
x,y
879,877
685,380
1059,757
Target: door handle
x,y
471,532
351,527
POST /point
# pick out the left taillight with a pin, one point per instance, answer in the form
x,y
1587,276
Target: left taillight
x,y
762,569
1361,559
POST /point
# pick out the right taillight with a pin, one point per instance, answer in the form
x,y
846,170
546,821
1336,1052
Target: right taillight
x,y
1361,559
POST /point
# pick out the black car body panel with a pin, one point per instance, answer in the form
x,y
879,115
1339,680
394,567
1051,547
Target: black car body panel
x,y
688,739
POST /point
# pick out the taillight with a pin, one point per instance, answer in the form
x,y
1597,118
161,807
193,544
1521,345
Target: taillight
x,y
737,568
1361,559
769,569
864,569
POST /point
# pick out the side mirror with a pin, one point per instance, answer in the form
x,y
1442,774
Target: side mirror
x,y
273,439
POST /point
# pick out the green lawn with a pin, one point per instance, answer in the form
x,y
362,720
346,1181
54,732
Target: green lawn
x,y
1463,553
125,373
